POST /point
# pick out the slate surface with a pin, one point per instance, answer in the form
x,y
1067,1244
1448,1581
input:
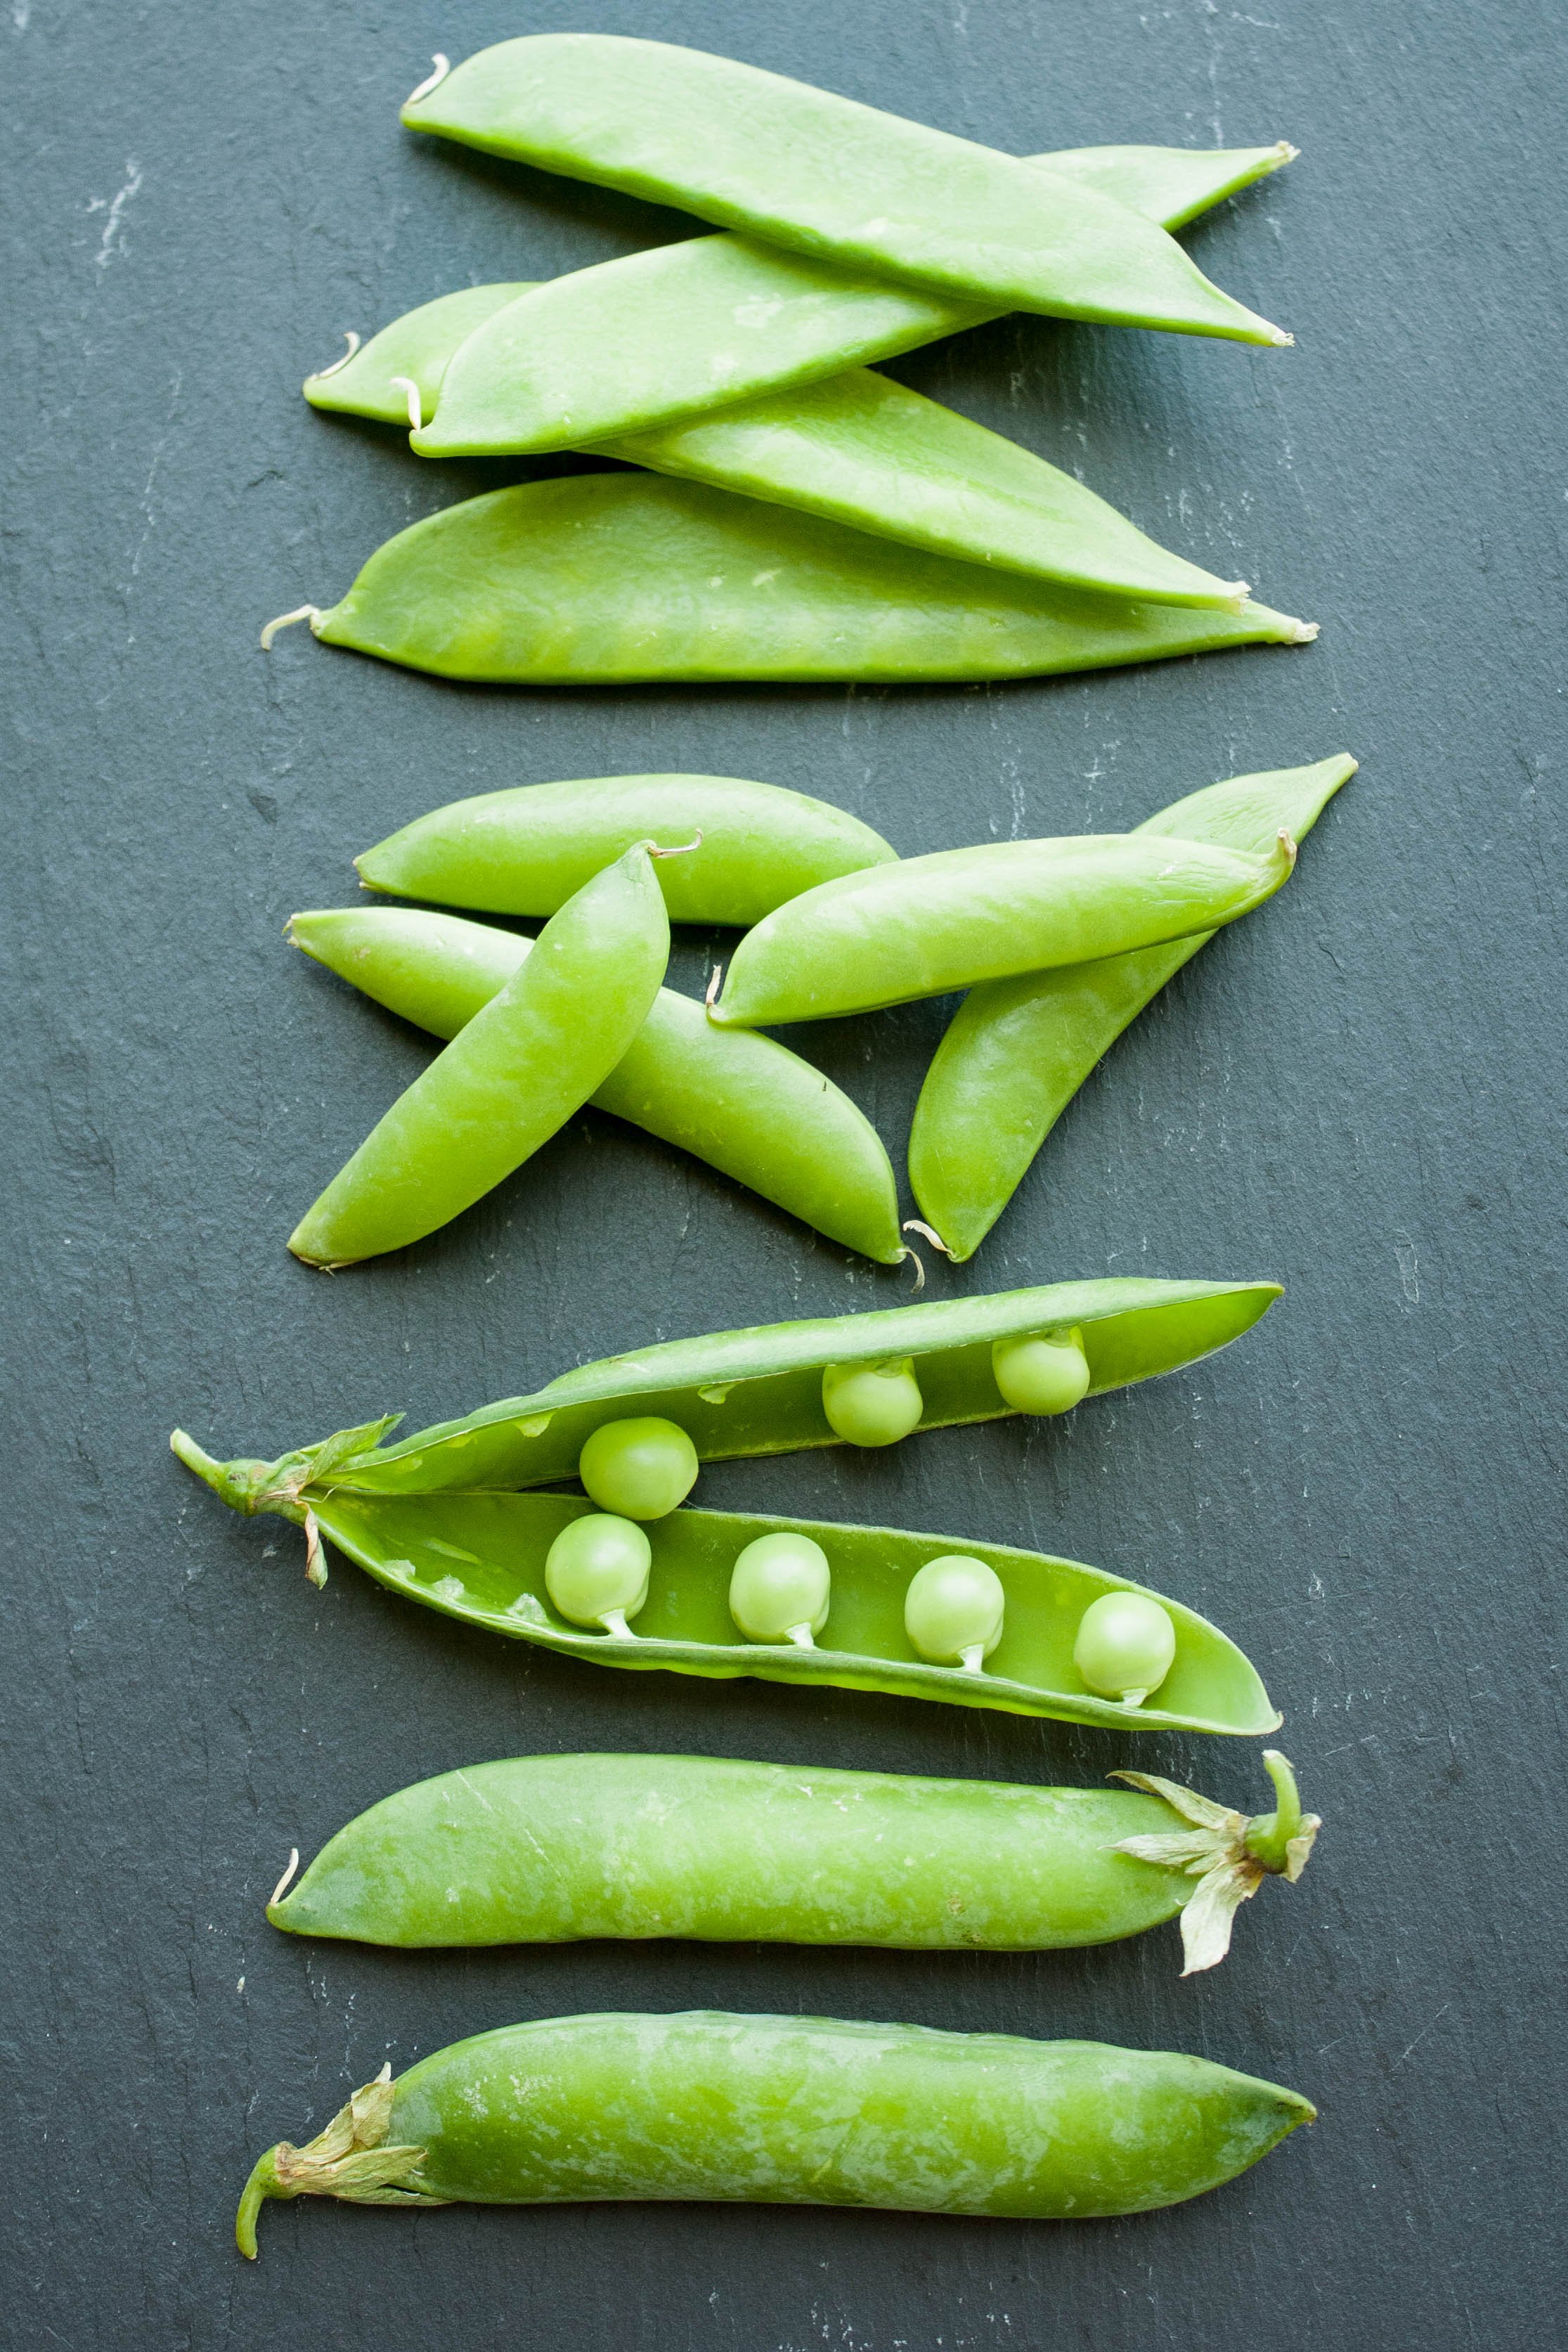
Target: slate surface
x,y
1359,1092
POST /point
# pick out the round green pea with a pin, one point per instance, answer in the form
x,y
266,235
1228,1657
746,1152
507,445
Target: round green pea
x,y
1125,1646
640,1468
872,1405
953,1611
1044,1371
780,1590
595,1572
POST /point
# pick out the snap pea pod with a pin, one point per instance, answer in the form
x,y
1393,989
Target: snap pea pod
x,y
823,175
926,925
1018,1049
559,1848
760,1390
855,447
481,1559
738,1100
615,579
704,2105
526,851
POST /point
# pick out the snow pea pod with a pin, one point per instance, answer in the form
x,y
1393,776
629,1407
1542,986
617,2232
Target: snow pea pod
x,y
740,1101
927,925
1018,1049
481,1558
559,1848
510,1080
738,1393
704,2105
526,851
612,579
823,175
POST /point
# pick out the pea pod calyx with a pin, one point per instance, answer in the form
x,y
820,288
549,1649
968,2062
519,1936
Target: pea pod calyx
x,y
350,2160
1228,1855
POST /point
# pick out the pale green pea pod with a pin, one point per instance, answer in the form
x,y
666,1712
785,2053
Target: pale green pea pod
x,y
526,851
1018,1049
741,1102
623,579
927,925
822,175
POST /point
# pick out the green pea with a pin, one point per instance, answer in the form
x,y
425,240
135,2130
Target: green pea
x,y
780,1590
595,1572
641,1469
786,2110
1042,1373
1125,1646
823,176
872,1405
954,1610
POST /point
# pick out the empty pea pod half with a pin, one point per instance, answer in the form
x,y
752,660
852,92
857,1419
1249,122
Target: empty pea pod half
x,y
762,1391
737,1100
561,1849
704,2105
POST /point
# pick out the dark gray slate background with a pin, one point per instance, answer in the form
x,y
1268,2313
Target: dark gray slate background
x,y
1359,1092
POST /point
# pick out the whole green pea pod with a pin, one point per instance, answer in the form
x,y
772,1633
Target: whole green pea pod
x,y
558,1849
1018,1049
705,2106
927,925
737,1100
618,579
510,1078
824,176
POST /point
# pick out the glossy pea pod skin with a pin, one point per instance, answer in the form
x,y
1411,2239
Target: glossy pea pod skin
x,y
511,1077
526,850
927,925
825,176
704,2105
1018,1049
622,579
741,1102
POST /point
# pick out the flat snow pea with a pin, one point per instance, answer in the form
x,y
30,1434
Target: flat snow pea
x,y
526,851
823,175
557,1849
738,1393
927,925
512,1076
738,1100
1018,1049
612,579
786,2111
480,1558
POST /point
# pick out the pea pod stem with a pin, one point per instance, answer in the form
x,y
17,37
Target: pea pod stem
x,y
1228,1855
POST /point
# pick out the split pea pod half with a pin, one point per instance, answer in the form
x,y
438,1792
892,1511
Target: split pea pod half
x,y
823,175
1018,1049
927,925
851,446
562,1849
511,1077
497,1562
706,2105
763,1390
620,579
738,1100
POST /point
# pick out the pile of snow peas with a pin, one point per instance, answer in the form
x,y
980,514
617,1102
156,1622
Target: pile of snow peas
x,y
778,510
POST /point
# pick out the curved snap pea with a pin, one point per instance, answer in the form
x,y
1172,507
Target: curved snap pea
x,y
481,1559
526,850
823,175
612,579
786,2111
1017,1050
563,1849
926,925
738,1100
756,1392
511,1077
